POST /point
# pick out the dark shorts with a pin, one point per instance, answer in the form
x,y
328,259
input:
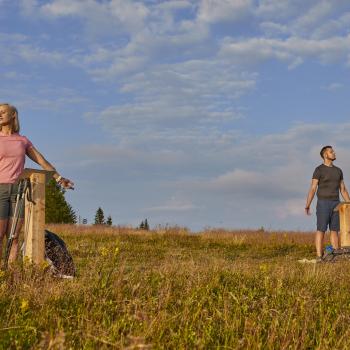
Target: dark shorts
x,y
326,216
8,193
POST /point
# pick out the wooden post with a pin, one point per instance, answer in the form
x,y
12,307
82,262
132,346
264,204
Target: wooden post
x,y
34,224
344,218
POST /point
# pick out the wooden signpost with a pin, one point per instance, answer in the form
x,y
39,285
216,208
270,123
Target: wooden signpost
x,y
34,244
344,218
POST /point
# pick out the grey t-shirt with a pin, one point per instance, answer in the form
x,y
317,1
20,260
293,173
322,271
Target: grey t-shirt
x,y
329,178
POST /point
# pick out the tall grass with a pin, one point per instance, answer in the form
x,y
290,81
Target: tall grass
x,y
170,289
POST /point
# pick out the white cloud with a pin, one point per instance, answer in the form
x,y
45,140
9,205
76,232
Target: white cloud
x,y
333,27
30,53
173,205
282,182
171,5
138,35
314,15
280,9
16,76
119,67
18,47
130,14
119,14
290,208
213,11
8,38
274,29
333,86
146,34
289,50
204,181
305,19
28,8
68,8
47,99
190,94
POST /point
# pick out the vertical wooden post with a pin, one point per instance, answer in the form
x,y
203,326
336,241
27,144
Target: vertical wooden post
x,y
344,218
34,245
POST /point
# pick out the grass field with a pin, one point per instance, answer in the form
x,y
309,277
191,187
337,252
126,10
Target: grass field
x,y
171,289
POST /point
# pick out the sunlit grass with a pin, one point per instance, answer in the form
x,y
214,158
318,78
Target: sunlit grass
x,y
172,289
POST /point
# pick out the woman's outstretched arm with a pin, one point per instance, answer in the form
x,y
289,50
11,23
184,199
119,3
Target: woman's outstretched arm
x,y
38,158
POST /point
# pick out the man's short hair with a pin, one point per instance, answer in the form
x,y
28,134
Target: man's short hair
x,y
324,150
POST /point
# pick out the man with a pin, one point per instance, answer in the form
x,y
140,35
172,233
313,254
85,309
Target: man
x,y
327,180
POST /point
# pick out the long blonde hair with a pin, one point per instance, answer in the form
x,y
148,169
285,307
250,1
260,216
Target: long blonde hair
x,y
13,110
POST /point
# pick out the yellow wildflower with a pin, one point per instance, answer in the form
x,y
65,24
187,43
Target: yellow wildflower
x,y
116,251
263,268
104,251
24,305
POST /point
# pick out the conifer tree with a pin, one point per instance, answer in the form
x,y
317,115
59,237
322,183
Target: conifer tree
x,y
142,225
109,221
99,217
146,225
57,208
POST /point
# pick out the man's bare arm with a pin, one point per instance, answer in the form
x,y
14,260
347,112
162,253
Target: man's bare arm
x,y
311,194
344,192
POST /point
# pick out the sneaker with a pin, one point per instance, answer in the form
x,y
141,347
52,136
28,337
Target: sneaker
x,y
328,255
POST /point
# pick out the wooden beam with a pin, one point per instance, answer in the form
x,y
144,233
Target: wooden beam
x,y
344,218
34,245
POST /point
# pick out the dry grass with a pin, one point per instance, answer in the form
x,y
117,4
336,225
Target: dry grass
x,y
170,289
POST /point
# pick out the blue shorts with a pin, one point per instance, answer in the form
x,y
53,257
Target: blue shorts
x,y
326,216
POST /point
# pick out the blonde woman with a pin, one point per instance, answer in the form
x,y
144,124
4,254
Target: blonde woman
x,y
13,149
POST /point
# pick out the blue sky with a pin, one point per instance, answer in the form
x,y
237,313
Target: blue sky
x,y
202,113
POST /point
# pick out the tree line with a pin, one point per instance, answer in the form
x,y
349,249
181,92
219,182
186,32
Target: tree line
x,y
59,211
100,220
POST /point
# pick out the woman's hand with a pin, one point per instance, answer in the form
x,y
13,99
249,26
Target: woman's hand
x,y
66,183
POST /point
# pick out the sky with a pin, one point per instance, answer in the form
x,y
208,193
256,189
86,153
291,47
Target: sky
x,y
202,113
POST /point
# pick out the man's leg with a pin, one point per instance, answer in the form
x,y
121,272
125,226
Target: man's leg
x,y
334,227
335,239
319,238
322,214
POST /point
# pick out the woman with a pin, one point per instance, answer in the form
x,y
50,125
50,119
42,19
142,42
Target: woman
x,y
13,149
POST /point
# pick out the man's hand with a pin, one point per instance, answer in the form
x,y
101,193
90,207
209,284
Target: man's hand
x,y
310,196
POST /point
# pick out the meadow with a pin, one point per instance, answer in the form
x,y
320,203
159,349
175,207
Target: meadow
x,y
172,289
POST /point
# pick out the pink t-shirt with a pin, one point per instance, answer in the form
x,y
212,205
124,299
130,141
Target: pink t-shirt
x,y
13,149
